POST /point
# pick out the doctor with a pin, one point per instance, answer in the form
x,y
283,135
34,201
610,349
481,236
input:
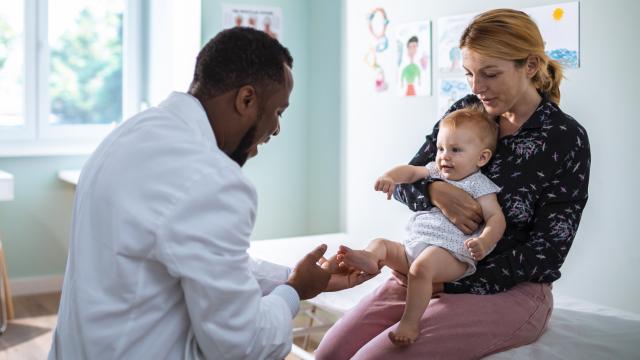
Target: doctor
x,y
158,266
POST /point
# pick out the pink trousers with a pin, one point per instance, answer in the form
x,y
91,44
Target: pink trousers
x,y
455,326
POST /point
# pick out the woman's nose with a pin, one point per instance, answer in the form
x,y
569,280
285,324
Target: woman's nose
x,y
477,87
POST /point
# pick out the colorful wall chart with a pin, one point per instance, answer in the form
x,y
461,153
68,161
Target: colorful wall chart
x,y
451,90
377,22
414,58
560,28
449,31
265,18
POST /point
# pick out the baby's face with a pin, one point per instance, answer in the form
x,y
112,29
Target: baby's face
x,y
459,152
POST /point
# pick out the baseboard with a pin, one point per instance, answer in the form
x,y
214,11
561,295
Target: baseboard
x,y
36,285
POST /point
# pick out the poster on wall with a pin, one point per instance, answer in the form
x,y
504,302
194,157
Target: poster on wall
x,y
449,31
413,41
560,28
377,23
265,18
450,90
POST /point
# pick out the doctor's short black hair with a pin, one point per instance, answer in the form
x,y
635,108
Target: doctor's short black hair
x,y
237,57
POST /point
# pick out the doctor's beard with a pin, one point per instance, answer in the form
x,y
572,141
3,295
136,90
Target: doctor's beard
x,y
241,153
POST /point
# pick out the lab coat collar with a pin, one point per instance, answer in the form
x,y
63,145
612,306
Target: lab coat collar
x,y
190,110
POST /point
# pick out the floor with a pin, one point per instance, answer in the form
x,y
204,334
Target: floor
x,y
28,336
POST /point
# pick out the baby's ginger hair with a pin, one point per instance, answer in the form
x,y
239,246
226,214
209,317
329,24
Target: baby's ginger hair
x,y
485,128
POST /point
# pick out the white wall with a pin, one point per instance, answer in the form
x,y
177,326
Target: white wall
x,y
382,130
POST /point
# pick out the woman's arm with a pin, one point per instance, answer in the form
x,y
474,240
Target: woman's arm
x,y
456,205
413,194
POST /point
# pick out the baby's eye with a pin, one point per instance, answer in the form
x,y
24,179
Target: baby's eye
x,y
456,149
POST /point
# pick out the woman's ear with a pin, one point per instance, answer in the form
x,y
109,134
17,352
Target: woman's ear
x,y
485,156
532,65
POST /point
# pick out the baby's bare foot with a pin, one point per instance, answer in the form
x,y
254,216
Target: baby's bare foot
x,y
405,335
331,265
358,259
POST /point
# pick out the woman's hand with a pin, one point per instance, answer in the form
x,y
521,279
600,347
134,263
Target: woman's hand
x,y
458,206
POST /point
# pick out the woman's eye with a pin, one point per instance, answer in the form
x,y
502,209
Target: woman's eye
x,y
491,75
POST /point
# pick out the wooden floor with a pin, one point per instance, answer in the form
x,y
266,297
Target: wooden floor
x,y
28,336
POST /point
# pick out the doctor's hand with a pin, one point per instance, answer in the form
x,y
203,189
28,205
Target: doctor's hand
x,y
343,277
348,279
307,278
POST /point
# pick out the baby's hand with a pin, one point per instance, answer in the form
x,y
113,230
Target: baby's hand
x,y
385,184
476,247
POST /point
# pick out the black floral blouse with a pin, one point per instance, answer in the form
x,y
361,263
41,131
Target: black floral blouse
x,y
543,170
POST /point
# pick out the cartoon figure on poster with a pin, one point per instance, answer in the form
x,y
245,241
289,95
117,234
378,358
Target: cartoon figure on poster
x,y
449,31
414,68
377,25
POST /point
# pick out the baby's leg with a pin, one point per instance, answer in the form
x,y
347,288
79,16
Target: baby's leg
x,y
433,265
383,251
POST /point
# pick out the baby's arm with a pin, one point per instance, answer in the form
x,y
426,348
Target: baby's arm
x,y
495,225
403,174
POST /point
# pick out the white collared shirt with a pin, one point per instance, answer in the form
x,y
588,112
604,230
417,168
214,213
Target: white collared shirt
x,y
158,265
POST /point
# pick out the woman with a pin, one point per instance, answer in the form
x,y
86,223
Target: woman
x,y
542,164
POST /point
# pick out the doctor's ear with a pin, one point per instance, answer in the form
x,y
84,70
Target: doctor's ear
x,y
246,101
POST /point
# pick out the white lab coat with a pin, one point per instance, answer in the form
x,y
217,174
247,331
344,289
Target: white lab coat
x,y
158,265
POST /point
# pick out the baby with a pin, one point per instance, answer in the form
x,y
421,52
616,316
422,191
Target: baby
x,y
436,251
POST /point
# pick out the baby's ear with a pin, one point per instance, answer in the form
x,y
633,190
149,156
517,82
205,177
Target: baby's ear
x,y
485,156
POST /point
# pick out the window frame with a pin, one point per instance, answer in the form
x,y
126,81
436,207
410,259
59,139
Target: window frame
x,y
37,136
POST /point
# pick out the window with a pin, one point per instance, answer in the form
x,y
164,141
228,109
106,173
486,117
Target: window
x,y
12,69
69,72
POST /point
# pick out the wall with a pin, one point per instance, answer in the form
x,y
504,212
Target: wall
x,y
297,174
34,227
383,130
304,156
323,117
